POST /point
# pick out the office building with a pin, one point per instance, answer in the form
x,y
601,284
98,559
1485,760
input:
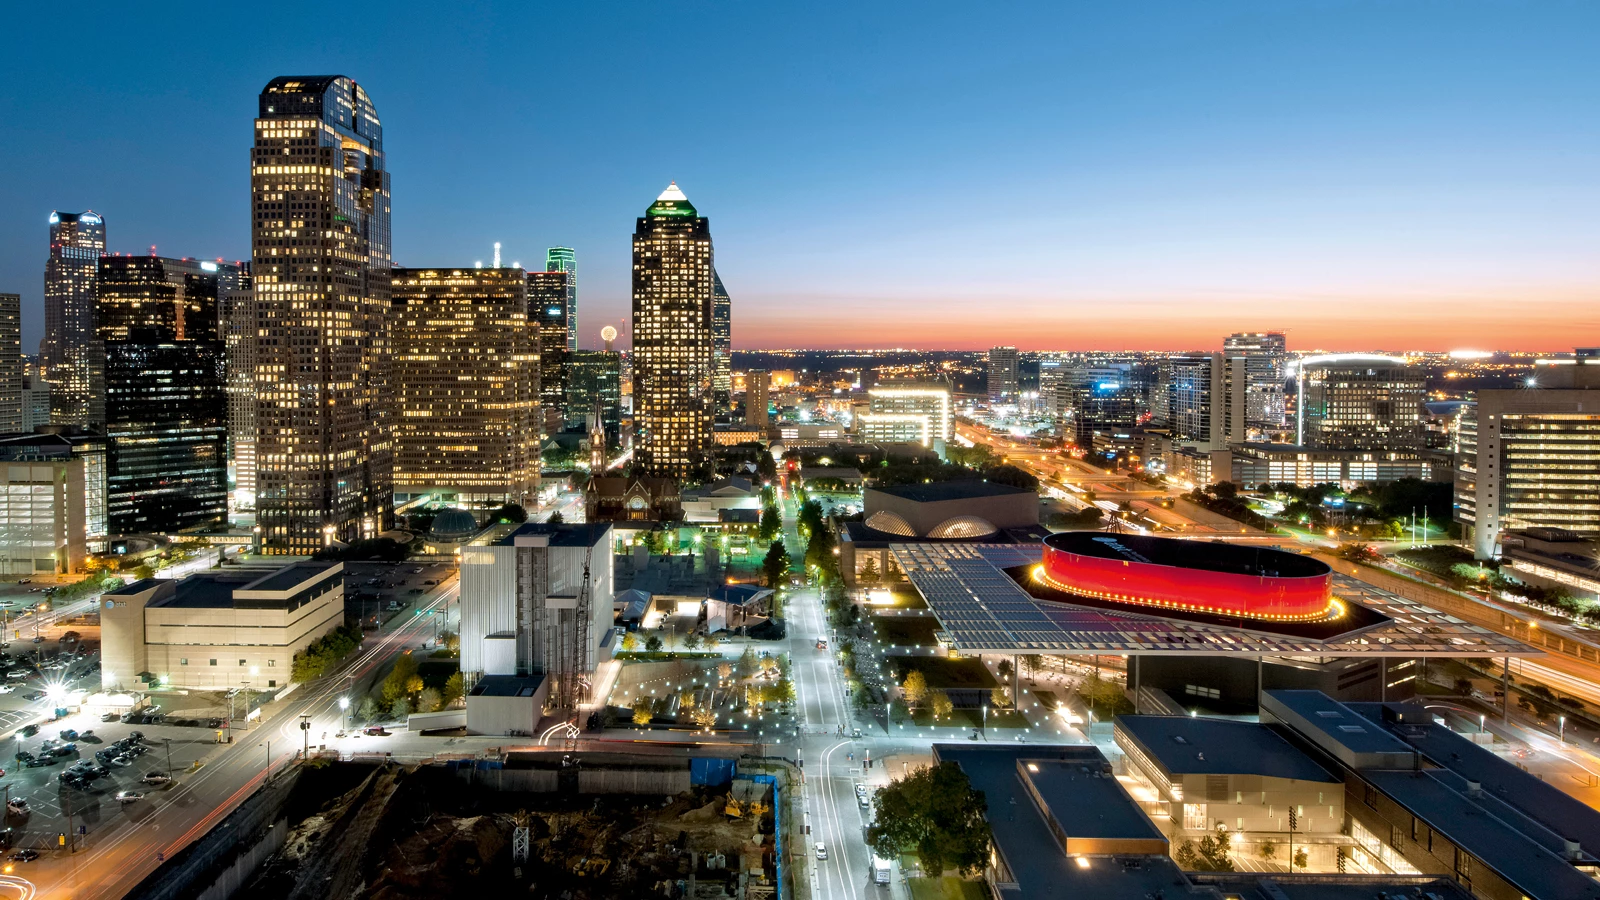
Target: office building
x,y
1251,465
564,260
1104,408
238,315
11,368
35,396
548,293
1530,457
523,606
721,343
70,347
757,412
1357,401
1002,373
1266,360
1200,397
595,376
165,402
466,373
906,412
672,364
321,245
42,507
217,630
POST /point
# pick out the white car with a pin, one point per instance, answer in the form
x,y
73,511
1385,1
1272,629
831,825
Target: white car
x,y
129,796
7,688
156,778
822,852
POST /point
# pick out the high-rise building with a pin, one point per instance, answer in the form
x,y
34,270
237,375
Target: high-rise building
x,y
907,412
239,321
10,363
1356,401
320,238
562,259
70,349
1530,457
595,376
721,343
466,369
1200,396
1266,361
1003,373
756,414
165,401
35,395
548,294
672,365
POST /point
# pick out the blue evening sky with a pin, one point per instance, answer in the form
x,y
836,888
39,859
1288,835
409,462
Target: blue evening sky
x,y
1366,174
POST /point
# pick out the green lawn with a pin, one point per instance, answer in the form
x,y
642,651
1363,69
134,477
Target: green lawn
x,y
906,631
943,672
945,889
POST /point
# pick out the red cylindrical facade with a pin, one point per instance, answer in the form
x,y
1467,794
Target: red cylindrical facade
x,y
1282,598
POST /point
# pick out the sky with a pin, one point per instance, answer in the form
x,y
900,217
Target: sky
x,y
1066,175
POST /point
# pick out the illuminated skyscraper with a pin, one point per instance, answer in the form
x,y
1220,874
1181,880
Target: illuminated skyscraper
x,y
238,321
1266,361
165,401
466,367
547,311
721,343
1359,401
1002,373
10,363
673,283
562,259
324,424
70,348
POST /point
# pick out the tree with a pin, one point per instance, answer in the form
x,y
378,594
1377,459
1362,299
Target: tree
x,y
653,643
511,512
643,711
414,685
556,518
1209,855
369,709
771,524
939,702
630,641
400,708
704,716
692,640
936,814
1000,697
398,684
1269,849
746,664
869,572
1300,858
776,564
454,689
915,687
1013,476
143,570
429,700
1005,669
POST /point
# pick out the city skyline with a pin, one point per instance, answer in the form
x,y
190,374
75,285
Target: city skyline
x,y
1421,173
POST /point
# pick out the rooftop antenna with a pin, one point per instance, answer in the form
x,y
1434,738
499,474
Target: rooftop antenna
x,y
497,254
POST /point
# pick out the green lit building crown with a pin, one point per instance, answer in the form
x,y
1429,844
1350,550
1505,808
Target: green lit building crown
x,y
672,202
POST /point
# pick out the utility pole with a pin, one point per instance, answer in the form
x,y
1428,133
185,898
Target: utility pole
x,y
168,742
305,732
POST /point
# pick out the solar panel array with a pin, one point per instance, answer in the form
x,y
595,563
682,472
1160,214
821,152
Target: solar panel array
x,y
983,610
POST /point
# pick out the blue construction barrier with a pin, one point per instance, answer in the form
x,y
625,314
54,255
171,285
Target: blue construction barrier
x,y
710,771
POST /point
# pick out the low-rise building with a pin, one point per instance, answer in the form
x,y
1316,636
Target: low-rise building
x,y
1552,557
217,630
623,498
1256,464
52,500
971,511
704,504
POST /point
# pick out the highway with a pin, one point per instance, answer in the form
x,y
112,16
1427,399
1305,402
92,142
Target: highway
x,y
131,841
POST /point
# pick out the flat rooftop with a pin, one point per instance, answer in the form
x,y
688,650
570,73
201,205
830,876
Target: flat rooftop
x,y
1187,745
984,610
202,591
1559,811
507,686
562,534
289,577
939,491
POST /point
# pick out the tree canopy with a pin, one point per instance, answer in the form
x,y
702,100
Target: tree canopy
x,y
936,814
776,564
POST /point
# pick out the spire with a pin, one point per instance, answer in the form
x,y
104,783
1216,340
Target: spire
x,y
672,202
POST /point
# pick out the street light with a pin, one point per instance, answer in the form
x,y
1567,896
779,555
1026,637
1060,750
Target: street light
x,y
1563,732
344,713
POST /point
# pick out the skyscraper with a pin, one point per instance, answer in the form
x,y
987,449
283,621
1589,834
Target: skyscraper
x,y
165,401
466,368
1266,361
721,343
547,312
672,365
320,238
1002,373
1360,401
562,259
1199,396
70,348
595,376
756,410
239,321
10,363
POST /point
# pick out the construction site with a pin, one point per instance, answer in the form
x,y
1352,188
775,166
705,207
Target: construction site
x,y
537,825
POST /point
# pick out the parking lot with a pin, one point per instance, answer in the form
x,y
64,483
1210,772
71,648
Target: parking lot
x,y
381,591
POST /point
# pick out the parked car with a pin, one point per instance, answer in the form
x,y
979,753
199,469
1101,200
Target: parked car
x,y
68,734
7,688
109,717
17,674
156,778
33,695
129,796
30,730
135,736
376,731
17,806
24,856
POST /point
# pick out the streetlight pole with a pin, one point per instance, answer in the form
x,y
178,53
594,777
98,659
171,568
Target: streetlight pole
x,y
344,714
168,742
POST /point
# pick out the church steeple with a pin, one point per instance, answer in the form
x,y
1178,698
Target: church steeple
x,y
597,438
